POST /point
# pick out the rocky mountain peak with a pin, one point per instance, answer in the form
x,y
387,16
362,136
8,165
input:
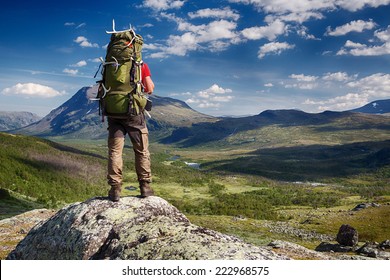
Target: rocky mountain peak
x,y
133,228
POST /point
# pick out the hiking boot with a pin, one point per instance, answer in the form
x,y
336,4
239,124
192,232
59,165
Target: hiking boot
x,y
146,189
115,192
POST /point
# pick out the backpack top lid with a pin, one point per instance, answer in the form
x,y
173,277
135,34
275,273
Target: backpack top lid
x,y
125,45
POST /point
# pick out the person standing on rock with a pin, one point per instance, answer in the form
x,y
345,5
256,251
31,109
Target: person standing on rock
x,y
135,127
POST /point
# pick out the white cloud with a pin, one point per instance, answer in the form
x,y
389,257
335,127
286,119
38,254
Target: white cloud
x,y
81,25
268,85
303,32
355,5
384,35
217,30
274,48
271,31
32,90
214,36
303,78
81,63
358,49
305,86
70,71
211,97
74,24
83,42
305,82
376,85
96,60
193,101
206,104
338,77
305,9
372,87
340,103
287,6
294,17
221,98
353,26
225,13
216,89
162,5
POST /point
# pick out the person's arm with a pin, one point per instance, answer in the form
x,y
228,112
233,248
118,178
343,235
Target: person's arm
x,y
149,85
147,79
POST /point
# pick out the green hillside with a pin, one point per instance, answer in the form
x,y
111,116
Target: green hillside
x,y
42,172
38,173
283,128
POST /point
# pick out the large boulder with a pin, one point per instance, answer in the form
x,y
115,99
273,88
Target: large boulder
x,y
134,229
347,236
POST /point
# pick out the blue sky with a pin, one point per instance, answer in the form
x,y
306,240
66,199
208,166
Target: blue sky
x,y
226,57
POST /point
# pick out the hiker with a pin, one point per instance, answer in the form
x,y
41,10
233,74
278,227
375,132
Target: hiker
x,y
126,79
135,127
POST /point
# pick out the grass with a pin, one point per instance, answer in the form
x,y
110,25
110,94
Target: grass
x,y
371,223
237,191
12,204
50,173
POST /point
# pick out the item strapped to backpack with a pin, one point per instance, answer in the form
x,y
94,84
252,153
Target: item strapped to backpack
x,y
120,92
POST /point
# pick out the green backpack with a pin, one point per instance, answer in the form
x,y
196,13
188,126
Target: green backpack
x,y
120,90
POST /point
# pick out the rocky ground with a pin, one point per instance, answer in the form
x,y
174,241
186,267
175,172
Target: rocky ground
x,y
15,229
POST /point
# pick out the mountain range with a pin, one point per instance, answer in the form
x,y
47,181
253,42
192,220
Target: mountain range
x,y
15,120
79,117
375,107
173,121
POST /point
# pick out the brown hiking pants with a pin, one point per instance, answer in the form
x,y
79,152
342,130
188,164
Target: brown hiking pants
x,y
138,132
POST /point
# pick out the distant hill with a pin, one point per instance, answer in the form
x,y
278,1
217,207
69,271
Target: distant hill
x,y
375,107
282,128
15,120
46,173
79,117
174,122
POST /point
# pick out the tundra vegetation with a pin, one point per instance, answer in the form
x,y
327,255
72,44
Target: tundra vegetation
x,y
249,193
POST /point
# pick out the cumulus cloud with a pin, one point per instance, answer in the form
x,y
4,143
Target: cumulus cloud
x,y
301,81
303,32
376,85
225,13
162,5
303,10
340,103
359,49
83,42
270,31
353,26
303,78
338,77
31,90
217,35
280,17
274,48
96,60
211,97
81,63
355,5
70,71
362,90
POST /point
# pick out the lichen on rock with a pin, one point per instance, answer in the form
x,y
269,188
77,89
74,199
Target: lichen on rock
x,y
133,228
